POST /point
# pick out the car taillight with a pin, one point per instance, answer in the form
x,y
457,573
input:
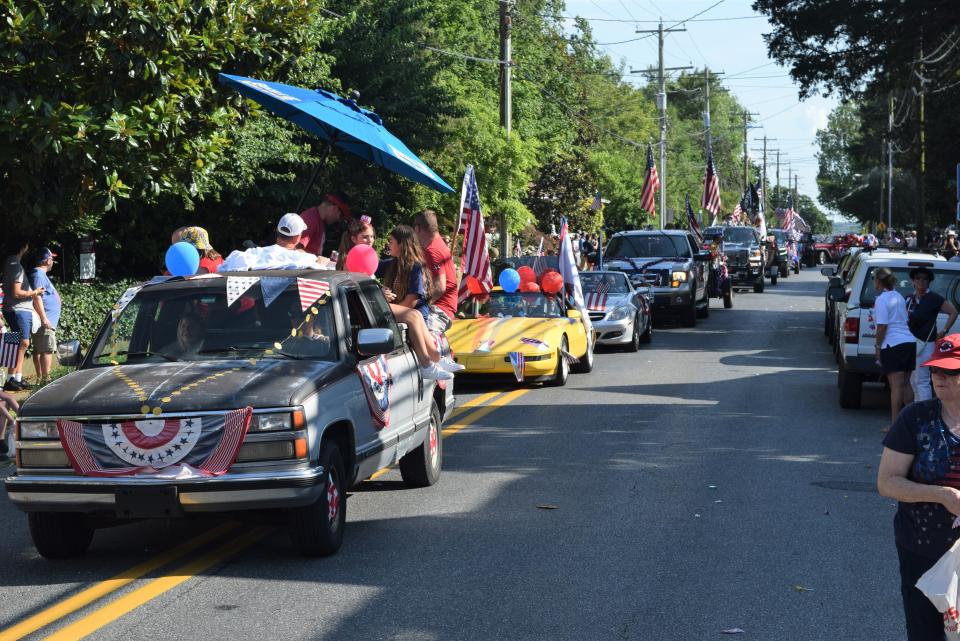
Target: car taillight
x,y
851,329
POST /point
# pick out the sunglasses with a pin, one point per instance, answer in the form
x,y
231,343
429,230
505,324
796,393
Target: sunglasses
x,y
945,372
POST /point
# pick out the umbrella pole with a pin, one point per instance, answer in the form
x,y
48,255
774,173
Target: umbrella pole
x,y
313,178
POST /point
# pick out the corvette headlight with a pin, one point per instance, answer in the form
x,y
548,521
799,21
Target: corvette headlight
x,y
39,430
622,312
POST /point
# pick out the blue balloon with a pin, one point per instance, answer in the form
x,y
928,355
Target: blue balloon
x,y
509,280
182,259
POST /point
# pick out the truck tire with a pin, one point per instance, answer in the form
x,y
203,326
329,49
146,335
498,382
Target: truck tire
x,y
796,267
784,270
774,275
728,298
822,258
758,284
317,529
563,367
421,467
688,317
704,312
851,388
59,535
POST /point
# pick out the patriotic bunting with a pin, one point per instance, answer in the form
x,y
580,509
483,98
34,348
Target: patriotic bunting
x,y
377,381
238,285
272,286
475,261
310,291
125,299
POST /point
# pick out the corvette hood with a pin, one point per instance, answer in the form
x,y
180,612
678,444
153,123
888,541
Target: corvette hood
x,y
502,335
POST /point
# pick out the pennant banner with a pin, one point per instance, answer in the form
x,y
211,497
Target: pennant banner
x,y
377,381
237,285
518,362
208,444
310,291
124,301
272,286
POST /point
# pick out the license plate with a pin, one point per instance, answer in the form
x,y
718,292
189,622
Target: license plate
x,y
147,502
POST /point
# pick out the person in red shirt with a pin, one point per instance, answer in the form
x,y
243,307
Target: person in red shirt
x,y
440,261
335,207
210,259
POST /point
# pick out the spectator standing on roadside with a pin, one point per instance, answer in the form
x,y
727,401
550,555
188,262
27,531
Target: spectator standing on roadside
x,y
920,452
45,338
950,247
334,208
923,307
19,304
436,255
896,348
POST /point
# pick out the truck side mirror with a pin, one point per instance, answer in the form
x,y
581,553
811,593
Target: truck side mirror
x,y
838,294
827,271
375,341
69,354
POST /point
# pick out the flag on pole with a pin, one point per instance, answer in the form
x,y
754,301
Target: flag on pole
x,y
711,188
694,224
759,221
9,345
788,215
568,264
475,260
597,203
651,183
538,261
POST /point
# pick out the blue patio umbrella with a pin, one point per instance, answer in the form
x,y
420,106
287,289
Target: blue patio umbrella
x,y
340,122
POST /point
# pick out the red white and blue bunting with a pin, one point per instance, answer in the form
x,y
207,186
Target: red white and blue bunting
x,y
377,381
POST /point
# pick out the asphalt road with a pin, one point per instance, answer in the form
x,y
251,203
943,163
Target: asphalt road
x,y
706,483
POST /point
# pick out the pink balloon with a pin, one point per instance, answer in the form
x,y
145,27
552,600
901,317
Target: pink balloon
x,y
362,259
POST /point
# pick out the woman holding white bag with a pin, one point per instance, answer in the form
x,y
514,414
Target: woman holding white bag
x,y
920,467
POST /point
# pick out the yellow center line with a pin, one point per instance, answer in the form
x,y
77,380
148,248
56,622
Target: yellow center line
x,y
98,591
472,417
129,602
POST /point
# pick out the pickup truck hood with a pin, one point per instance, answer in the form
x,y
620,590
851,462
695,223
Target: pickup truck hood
x,y
102,390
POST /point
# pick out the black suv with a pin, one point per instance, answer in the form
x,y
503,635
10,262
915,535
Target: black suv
x,y
747,256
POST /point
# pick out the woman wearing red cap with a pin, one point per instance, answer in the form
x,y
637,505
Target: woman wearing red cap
x,y
920,467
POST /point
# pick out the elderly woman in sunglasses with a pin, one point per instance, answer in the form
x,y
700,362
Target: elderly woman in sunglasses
x,y
920,467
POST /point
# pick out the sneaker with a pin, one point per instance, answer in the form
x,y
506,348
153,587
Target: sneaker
x,y
12,385
432,372
448,364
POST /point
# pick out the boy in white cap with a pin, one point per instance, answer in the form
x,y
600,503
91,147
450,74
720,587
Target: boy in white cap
x,y
282,255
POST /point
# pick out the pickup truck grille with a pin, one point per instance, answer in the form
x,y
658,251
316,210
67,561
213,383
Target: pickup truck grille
x,y
738,258
651,278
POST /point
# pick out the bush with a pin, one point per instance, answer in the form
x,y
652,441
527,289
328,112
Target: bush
x,y
84,308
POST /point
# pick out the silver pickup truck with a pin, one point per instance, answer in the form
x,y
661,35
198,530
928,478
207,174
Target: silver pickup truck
x,y
259,390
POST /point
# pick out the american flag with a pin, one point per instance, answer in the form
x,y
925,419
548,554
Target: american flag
x,y
208,444
8,349
788,220
694,224
651,183
597,299
518,362
756,196
742,210
310,291
475,260
597,204
538,261
711,188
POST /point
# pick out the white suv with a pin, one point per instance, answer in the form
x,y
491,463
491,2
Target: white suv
x,y
857,330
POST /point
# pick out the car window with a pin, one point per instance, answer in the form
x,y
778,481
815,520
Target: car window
x,y
606,283
357,316
944,283
741,235
197,324
382,315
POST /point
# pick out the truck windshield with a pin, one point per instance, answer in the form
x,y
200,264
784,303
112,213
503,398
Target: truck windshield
x,y
741,235
647,246
190,324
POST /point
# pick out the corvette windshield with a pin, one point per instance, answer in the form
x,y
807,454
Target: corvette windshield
x,y
502,305
604,283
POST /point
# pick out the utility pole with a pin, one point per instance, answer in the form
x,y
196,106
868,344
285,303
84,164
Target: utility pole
x,y
662,108
789,176
763,178
883,147
778,179
890,164
796,193
506,103
706,113
746,155
923,146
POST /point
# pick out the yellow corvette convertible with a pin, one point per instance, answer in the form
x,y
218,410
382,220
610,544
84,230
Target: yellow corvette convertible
x,y
530,335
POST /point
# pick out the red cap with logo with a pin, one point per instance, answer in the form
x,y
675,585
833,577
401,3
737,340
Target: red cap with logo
x,y
946,353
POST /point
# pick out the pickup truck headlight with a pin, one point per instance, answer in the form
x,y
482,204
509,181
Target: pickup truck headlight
x,y
622,312
39,430
676,278
755,253
276,422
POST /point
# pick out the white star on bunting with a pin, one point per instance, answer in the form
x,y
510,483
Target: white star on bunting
x,y
237,285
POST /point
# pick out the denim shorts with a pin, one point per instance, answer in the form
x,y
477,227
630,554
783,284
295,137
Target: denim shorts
x,y
19,320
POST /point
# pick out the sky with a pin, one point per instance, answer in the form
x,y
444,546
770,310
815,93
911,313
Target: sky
x,y
734,46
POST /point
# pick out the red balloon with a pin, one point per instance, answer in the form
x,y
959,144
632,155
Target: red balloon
x,y
474,286
529,287
362,259
551,282
527,275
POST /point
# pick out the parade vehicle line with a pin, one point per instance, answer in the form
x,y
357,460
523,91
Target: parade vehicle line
x,y
155,587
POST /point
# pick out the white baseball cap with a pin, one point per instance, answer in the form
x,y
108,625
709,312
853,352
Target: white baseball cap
x,y
291,225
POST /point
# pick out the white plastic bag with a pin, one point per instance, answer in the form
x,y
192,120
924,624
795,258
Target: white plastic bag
x,y
940,583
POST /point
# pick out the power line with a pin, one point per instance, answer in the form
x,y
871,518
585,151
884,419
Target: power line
x,y
546,15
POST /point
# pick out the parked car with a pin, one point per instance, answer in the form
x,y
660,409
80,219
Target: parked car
x,y
225,393
748,258
621,315
857,359
670,263
536,325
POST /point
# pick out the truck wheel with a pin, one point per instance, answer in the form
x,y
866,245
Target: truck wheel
x,y
421,467
728,298
704,312
758,284
796,267
851,386
688,318
317,529
634,343
585,366
774,275
784,270
563,367
821,258
59,535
